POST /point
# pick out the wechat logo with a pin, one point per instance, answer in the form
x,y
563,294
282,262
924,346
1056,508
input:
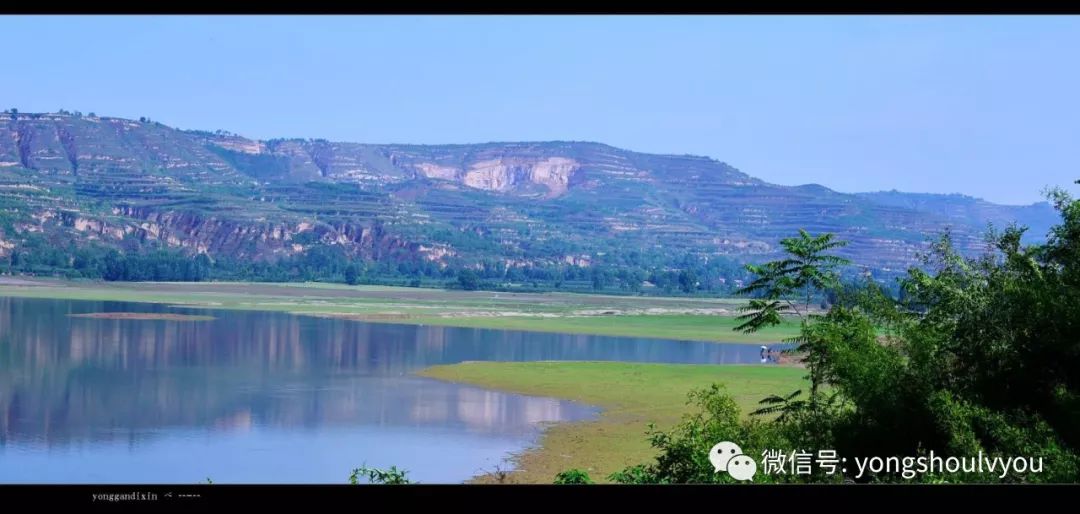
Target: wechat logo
x,y
727,456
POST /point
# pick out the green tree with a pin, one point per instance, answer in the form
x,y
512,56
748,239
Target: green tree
x,y
573,477
687,281
599,278
115,266
392,476
976,357
202,267
468,280
351,275
787,286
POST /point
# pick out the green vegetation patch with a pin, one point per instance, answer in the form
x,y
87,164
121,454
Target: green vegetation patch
x,y
558,313
632,395
688,327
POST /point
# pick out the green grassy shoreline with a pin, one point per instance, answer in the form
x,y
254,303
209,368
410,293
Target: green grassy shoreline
x,y
691,319
631,395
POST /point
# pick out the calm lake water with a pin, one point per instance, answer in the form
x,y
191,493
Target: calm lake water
x,y
265,397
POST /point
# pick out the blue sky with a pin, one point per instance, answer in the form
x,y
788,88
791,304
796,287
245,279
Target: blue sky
x,y
986,106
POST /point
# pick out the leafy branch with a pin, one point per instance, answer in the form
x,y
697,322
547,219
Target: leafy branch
x,y
392,476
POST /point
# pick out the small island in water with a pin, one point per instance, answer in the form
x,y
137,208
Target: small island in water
x,y
144,316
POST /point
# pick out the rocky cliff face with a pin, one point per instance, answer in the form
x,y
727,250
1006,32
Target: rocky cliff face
x,y
508,174
201,233
115,181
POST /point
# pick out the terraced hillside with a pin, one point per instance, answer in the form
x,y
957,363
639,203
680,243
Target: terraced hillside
x,y
139,184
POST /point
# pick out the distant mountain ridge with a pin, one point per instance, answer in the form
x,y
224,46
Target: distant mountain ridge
x,y
968,210
133,184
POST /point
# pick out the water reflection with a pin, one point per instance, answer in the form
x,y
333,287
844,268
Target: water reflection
x,y
253,377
